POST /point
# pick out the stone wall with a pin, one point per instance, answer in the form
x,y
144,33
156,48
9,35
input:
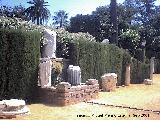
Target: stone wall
x,y
65,94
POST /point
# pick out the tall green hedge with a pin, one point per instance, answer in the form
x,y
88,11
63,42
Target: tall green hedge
x,y
95,59
157,66
139,71
19,60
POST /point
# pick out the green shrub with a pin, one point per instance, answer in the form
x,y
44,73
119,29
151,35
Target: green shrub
x,y
19,60
56,72
139,71
157,66
64,38
95,59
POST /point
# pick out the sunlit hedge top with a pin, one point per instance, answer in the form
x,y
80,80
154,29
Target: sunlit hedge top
x,y
17,23
62,34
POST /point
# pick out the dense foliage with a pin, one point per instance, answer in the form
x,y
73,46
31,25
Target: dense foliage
x,y
16,11
137,22
130,40
95,59
60,19
19,60
139,71
38,12
134,15
64,38
16,23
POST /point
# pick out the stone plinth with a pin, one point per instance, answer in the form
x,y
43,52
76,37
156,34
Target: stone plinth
x,y
45,72
151,68
127,75
74,75
109,82
91,82
13,107
148,82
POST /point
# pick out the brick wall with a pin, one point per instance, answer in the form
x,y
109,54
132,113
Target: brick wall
x,y
65,94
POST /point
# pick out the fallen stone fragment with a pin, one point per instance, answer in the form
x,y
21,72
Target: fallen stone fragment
x,y
13,107
148,82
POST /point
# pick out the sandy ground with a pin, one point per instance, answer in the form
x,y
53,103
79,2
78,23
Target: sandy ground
x,y
135,95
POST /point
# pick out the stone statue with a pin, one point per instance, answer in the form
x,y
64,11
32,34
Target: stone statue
x,y
151,67
105,41
49,49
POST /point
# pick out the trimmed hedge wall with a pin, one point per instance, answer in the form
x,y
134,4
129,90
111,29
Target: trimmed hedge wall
x,y
95,59
19,60
139,71
157,66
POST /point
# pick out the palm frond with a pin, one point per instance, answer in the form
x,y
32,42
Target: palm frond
x,y
38,11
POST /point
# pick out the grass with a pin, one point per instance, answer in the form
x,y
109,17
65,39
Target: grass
x,y
139,95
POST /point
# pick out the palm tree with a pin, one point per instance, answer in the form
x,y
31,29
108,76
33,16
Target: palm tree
x,y
113,14
38,12
60,18
19,12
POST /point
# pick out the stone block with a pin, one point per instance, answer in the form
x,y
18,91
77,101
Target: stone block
x,y
64,95
78,88
89,86
2,105
109,82
96,86
83,87
96,91
64,87
91,82
73,88
13,107
148,82
87,90
73,94
13,104
62,102
78,95
94,96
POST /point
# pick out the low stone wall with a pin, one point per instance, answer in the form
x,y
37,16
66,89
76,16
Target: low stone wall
x,y
65,94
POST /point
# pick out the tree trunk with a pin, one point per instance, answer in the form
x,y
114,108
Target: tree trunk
x,y
61,22
113,14
37,20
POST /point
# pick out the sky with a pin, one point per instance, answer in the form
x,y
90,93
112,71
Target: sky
x,y
72,7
